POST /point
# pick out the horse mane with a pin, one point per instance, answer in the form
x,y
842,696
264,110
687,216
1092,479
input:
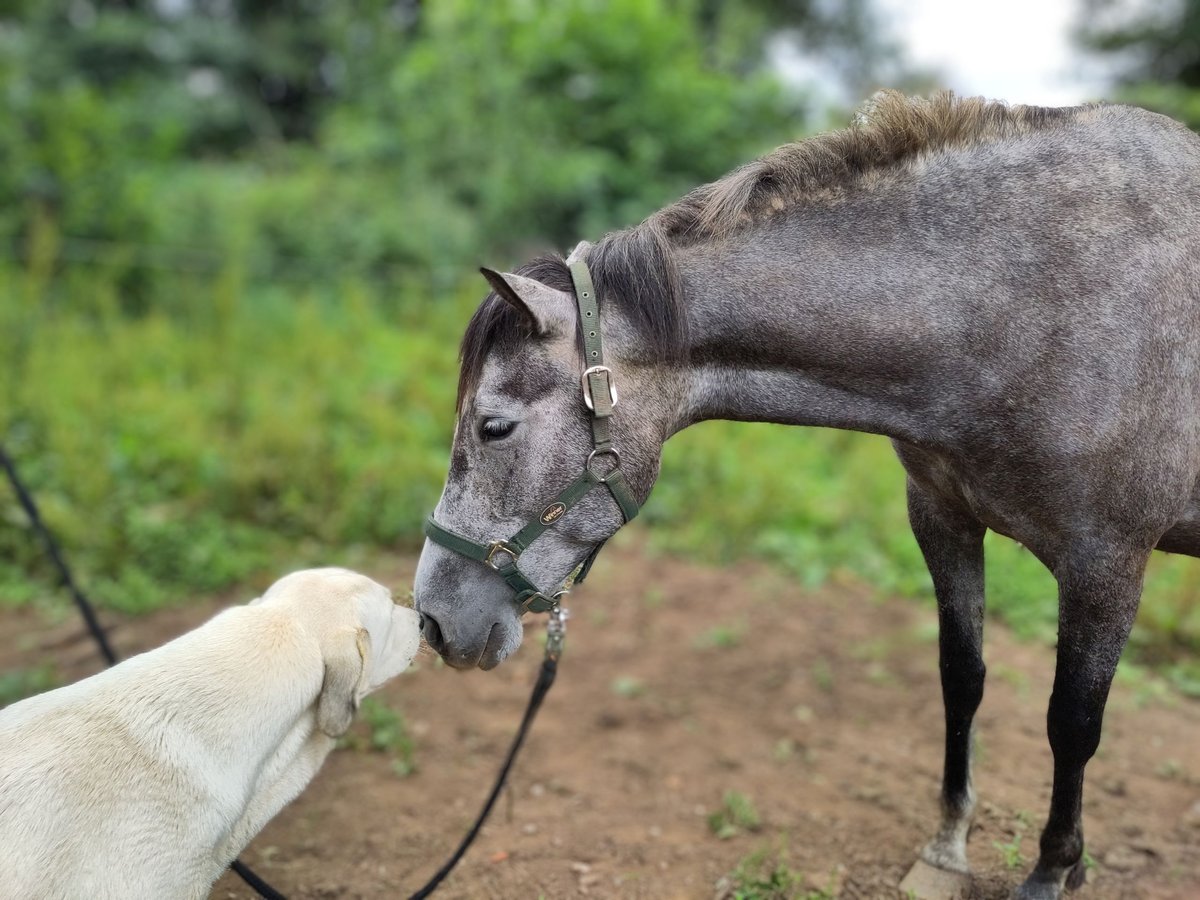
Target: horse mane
x,y
888,130
635,269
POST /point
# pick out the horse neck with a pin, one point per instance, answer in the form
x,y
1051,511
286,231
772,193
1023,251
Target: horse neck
x,y
809,326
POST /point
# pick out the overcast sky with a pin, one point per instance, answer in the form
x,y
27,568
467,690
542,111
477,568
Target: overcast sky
x,y
1019,50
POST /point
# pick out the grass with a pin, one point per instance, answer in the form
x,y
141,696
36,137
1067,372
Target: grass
x,y
386,732
766,875
239,428
21,683
735,815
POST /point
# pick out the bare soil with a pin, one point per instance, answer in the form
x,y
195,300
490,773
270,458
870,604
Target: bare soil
x,y
683,683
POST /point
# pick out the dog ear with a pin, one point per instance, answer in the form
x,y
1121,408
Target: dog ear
x,y
347,665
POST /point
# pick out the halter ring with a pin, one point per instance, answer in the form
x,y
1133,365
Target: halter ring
x,y
501,547
610,451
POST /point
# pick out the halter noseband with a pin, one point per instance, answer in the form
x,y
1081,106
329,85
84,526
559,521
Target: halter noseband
x,y
600,397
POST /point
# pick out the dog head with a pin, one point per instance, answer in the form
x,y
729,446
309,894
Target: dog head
x,y
365,638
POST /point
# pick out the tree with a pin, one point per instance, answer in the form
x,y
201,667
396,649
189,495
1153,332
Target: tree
x,y
1155,47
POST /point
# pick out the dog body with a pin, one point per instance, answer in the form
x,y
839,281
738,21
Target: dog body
x,y
148,779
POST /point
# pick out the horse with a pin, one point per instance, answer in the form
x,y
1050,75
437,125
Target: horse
x,y
1010,293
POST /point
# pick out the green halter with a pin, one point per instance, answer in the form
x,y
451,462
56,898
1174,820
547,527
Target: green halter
x,y
599,396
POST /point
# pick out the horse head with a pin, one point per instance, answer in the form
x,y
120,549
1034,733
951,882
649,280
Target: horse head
x,y
527,450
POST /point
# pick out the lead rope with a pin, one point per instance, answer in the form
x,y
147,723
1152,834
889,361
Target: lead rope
x,y
555,633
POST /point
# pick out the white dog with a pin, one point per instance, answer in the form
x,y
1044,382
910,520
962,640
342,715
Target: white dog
x,y
146,780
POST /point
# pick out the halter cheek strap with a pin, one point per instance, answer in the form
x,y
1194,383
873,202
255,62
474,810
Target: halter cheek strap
x,y
600,398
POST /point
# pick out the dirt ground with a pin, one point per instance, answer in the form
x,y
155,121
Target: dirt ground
x,y
680,684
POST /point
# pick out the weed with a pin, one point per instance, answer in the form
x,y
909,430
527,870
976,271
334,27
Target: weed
x,y
736,814
722,636
1011,852
653,598
822,675
387,732
628,686
767,876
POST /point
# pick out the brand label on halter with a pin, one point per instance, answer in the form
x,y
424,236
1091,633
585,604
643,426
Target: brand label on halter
x,y
553,513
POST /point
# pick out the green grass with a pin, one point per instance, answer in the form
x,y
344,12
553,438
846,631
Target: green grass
x,y
767,875
21,683
241,428
384,730
735,816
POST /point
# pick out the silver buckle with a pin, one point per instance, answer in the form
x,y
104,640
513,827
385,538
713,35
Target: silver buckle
x,y
587,387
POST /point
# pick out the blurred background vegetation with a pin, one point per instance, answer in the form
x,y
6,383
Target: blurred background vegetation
x,y
237,246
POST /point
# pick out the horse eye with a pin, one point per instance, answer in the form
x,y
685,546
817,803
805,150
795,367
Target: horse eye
x,y
496,429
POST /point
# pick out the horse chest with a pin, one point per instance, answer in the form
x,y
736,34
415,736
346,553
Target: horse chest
x,y
999,504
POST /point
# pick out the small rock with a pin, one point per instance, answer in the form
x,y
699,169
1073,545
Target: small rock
x,y
529,828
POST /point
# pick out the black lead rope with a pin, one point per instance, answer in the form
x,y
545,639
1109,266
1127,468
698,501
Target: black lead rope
x,y
51,545
545,679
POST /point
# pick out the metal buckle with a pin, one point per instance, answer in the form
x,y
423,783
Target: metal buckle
x,y
588,401
501,547
607,451
556,627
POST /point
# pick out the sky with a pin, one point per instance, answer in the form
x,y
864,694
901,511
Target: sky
x,y
1018,50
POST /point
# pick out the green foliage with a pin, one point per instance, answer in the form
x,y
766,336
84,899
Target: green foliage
x,y
1156,49
18,684
233,238
735,815
767,876
386,732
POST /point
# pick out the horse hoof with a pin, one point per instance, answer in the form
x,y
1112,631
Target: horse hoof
x,y
926,882
1077,876
1037,890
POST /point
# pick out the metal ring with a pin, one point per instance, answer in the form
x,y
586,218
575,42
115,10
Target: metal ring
x,y
601,452
501,547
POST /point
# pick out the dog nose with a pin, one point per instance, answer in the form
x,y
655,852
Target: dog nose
x,y
433,633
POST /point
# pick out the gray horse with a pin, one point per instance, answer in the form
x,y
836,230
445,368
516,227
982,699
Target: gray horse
x,y
1012,294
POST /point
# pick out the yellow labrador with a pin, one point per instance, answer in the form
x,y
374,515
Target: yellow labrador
x,y
147,779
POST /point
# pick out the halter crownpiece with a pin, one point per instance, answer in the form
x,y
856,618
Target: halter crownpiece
x,y
600,398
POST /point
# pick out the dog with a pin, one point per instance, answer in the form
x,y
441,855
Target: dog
x,y
147,780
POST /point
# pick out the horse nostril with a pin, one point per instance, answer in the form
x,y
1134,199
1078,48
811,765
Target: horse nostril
x,y
432,632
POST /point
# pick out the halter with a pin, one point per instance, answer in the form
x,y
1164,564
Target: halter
x,y
600,398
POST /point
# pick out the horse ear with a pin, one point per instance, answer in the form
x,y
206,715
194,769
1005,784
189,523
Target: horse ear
x,y
347,665
550,311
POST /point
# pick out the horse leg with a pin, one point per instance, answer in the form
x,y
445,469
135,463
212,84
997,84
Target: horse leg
x,y
1098,596
952,543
